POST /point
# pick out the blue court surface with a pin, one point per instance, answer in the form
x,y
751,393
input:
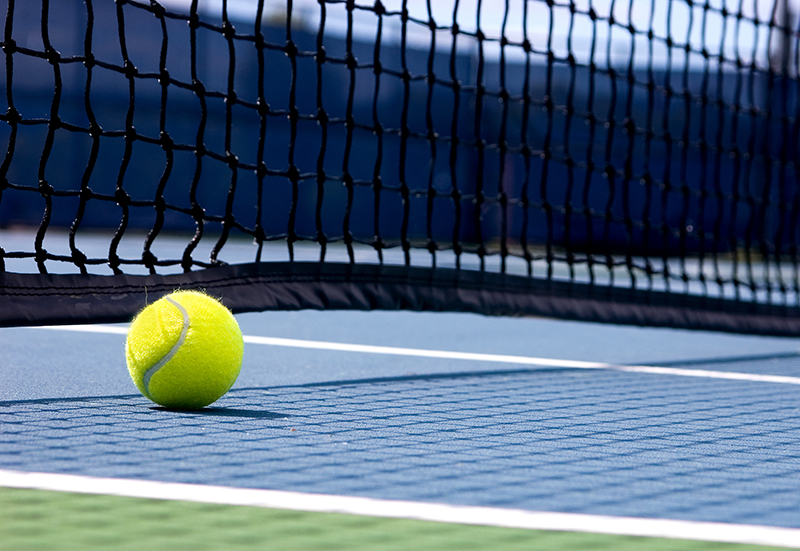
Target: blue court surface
x,y
525,414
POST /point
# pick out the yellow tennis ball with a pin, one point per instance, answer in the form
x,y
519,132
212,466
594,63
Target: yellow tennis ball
x,y
184,351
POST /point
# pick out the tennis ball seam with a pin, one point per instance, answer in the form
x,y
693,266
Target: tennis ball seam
x,y
152,370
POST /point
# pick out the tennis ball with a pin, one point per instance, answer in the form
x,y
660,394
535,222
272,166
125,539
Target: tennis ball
x,y
184,351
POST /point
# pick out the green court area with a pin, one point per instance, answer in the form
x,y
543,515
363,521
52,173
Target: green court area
x,y
55,521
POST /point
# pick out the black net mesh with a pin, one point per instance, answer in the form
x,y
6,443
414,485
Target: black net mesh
x,y
598,155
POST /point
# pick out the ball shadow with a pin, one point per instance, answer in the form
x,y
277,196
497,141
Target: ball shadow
x,y
226,412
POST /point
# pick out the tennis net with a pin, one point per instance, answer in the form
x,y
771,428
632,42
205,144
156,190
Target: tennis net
x,y
622,161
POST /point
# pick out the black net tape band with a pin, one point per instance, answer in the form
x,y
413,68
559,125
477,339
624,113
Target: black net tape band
x,y
55,299
630,162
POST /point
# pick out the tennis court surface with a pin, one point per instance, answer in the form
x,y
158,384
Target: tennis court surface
x,y
390,423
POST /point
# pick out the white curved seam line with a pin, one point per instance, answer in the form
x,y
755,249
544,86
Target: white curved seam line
x,y
174,350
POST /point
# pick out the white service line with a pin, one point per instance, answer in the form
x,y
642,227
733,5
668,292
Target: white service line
x,y
472,356
434,512
110,329
520,360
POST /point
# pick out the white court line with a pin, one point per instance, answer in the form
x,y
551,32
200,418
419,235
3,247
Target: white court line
x,y
434,512
471,356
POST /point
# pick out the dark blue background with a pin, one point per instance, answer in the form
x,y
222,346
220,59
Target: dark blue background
x,y
697,172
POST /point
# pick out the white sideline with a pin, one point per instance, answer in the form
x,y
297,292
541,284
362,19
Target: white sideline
x,y
434,512
470,356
